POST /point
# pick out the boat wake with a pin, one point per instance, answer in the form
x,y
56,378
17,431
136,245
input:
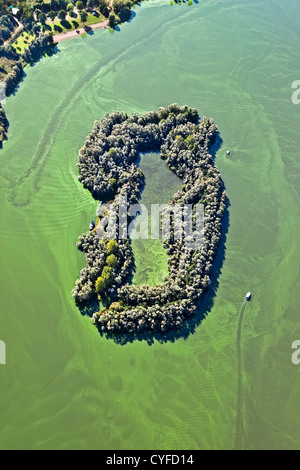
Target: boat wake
x,y
239,427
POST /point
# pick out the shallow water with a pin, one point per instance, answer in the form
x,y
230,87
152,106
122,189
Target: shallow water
x,y
230,384
151,260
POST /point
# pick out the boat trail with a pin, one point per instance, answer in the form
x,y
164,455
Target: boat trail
x,y
239,426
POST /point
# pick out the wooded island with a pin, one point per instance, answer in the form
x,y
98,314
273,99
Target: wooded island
x,y
107,169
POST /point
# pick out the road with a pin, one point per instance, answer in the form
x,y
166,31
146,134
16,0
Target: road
x,y
15,33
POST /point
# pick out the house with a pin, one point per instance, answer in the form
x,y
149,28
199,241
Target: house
x,y
14,10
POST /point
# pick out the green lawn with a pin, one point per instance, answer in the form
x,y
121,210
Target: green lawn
x,y
63,26
23,41
94,19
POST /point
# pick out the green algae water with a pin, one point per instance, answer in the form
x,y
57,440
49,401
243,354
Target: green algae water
x,y
229,385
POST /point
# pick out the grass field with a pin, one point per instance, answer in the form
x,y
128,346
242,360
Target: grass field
x,y
23,41
70,24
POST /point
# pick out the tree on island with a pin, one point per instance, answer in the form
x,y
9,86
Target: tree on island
x,y
104,280
184,141
100,286
112,247
112,261
113,184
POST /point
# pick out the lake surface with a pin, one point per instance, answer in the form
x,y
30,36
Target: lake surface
x,y
231,384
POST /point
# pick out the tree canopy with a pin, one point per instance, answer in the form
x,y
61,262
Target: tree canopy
x,y
83,16
112,247
79,5
62,15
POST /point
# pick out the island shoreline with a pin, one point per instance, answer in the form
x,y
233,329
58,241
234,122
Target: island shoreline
x,y
107,170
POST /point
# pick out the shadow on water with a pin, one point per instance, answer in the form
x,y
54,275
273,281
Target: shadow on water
x,y
112,30
132,16
48,52
216,146
17,86
205,304
89,310
124,20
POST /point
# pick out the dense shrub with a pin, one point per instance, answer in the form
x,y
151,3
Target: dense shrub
x,y
4,124
7,27
36,48
13,78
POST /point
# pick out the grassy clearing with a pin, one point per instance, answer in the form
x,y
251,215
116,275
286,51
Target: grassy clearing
x,y
94,19
70,24
23,41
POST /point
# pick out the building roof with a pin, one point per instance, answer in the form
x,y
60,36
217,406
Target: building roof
x,y
14,10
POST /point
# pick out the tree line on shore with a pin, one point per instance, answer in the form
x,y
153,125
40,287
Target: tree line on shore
x,y
34,18
107,169
10,80
35,49
7,27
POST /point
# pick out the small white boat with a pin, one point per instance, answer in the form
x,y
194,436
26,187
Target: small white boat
x,y
248,296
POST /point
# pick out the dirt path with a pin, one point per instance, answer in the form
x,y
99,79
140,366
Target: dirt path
x,y
72,34
15,33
